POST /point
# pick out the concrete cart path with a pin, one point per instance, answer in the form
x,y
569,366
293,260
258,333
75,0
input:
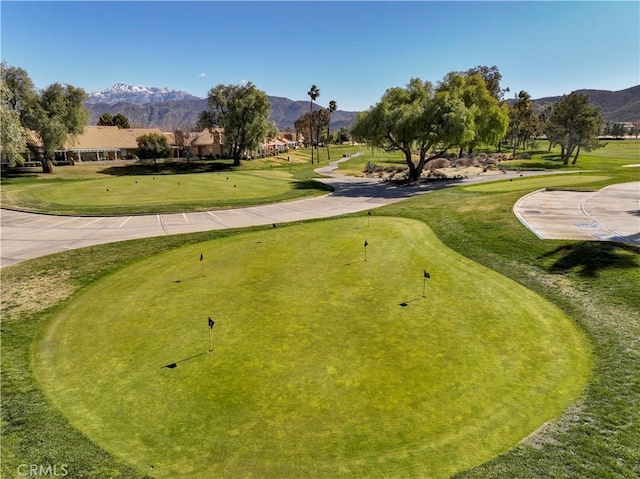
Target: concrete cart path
x,y
610,214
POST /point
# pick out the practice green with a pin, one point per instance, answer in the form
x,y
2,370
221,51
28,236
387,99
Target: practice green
x,y
316,370
160,193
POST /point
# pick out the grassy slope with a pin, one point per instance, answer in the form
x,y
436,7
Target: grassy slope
x,y
596,283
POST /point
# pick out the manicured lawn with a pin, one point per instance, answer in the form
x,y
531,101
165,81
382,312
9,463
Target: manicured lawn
x,y
316,369
161,193
520,184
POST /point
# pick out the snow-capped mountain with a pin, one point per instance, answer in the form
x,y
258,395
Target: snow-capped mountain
x,y
137,94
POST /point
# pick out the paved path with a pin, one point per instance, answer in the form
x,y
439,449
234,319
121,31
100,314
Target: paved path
x,y
610,214
25,236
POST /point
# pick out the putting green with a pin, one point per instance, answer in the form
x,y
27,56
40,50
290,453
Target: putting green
x,y
536,182
160,193
316,368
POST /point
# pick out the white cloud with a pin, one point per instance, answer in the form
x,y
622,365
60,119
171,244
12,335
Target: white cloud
x,y
202,75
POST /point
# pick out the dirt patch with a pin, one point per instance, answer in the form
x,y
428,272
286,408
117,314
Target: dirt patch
x,y
33,294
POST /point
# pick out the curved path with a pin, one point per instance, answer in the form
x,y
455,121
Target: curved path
x,y
25,236
609,214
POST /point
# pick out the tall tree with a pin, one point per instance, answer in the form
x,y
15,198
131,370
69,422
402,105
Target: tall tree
x,y
243,111
524,123
573,123
118,120
490,117
314,93
491,76
13,137
56,113
333,106
416,119
153,146
19,93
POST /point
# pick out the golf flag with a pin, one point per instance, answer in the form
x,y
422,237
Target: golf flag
x,y
201,257
426,275
211,323
365,243
274,225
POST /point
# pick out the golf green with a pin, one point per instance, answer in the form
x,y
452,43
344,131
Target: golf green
x,y
160,193
323,364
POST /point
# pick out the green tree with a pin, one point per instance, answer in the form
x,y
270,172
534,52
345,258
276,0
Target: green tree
x,y
573,123
333,106
490,117
13,137
105,120
153,146
55,114
121,121
19,93
524,123
118,120
417,120
491,76
314,93
243,111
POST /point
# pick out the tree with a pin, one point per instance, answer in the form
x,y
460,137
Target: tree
x,y
19,91
416,119
491,76
55,114
153,146
490,118
118,120
333,106
573,123
523,121
243,111
314,93
13,137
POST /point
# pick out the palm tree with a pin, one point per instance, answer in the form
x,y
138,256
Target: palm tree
x,y
314,93
333,106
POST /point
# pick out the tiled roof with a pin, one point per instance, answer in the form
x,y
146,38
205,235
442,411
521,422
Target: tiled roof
x,y
107,137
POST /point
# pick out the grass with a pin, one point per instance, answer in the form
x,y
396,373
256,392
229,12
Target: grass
x,y
323,384
132,188
594,283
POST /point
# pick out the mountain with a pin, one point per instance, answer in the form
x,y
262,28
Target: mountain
x,y
137,94
615,106
168,114
168,109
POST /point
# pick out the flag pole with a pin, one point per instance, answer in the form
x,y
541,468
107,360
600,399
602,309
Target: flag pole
x,y
365,249
202,264
211,323
424,283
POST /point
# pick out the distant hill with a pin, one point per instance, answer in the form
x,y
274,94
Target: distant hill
x,y
615,106
164,108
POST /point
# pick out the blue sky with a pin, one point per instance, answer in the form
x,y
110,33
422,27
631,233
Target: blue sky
x,y
352,51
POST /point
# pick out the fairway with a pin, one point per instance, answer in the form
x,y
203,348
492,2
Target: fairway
x,y
160,193
316,369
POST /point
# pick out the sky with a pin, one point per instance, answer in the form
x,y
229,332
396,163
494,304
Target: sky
x,y
353,51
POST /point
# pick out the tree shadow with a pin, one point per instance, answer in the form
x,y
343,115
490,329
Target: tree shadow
x,y
310,185
169,168
587,258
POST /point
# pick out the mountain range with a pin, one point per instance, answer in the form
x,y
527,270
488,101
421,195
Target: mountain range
x,y
167,109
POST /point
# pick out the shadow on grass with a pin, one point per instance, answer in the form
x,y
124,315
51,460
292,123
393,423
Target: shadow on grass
x,y
168,168
310,185
589,257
